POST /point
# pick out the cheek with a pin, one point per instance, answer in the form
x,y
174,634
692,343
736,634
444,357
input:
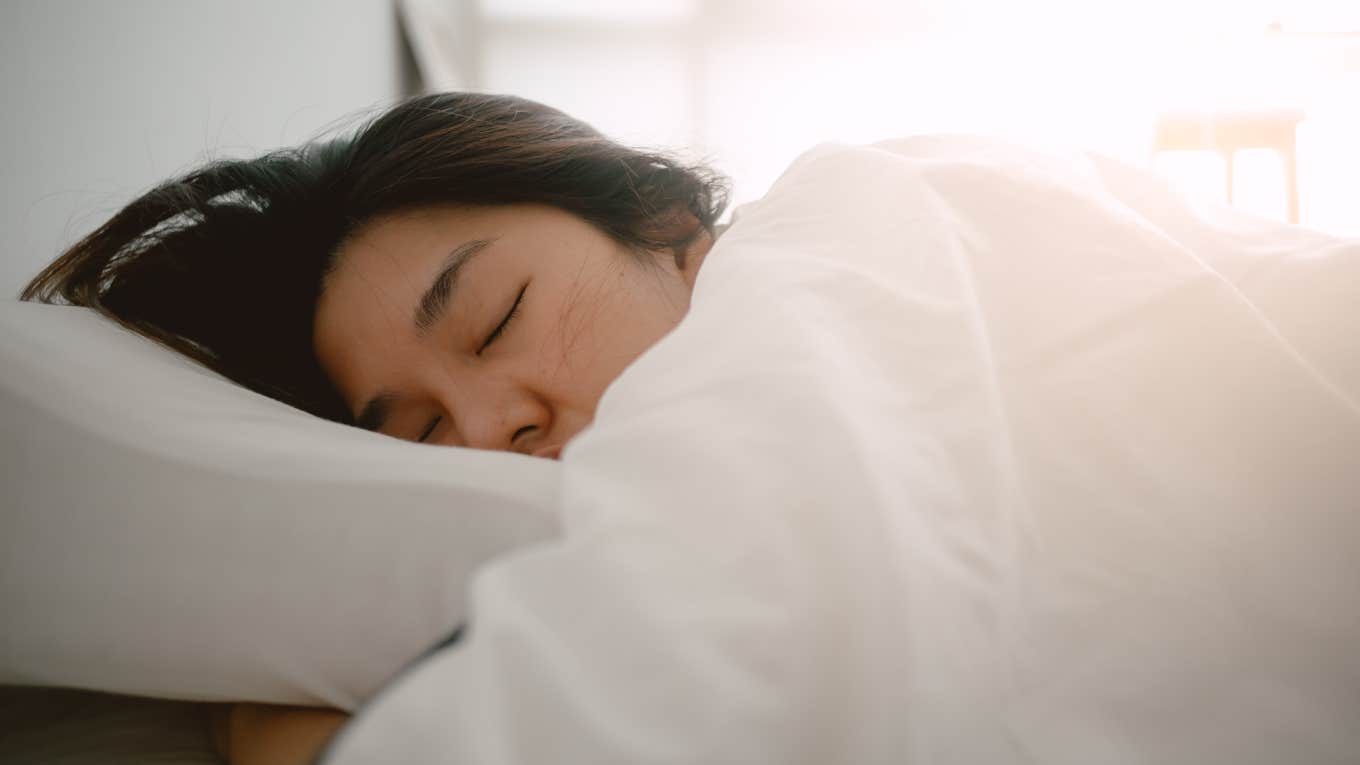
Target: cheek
x,y
630,326
599,329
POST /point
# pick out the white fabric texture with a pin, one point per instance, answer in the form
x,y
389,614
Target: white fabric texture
x,y
168,533
964,454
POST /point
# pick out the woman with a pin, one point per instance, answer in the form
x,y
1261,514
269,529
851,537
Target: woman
x,y
466,269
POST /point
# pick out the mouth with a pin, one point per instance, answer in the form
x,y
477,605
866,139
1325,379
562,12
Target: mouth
x,y
549,452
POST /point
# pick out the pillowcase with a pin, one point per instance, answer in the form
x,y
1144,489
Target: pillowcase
x,y
169,533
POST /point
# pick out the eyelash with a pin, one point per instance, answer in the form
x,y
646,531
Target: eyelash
x,y
509,317
429,429
491,338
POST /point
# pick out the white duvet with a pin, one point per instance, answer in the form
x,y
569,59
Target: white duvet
x,y
964,454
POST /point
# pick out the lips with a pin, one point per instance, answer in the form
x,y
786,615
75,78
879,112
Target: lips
x,y
549,452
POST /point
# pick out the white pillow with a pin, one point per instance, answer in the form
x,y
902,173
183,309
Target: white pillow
x,y
169,533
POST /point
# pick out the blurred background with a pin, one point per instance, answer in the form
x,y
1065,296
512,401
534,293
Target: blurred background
x,y
1253,101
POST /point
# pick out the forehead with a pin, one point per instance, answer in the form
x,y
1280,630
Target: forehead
x,y
401,251
394,251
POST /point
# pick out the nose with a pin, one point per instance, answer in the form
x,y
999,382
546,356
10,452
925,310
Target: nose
x,y
497,413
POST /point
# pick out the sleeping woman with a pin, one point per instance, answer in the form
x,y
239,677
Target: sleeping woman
x,y
469,270
961,452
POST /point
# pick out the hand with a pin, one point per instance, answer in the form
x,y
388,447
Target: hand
x,y
263,734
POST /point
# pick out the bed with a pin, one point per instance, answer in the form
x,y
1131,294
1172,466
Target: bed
x,y
965,452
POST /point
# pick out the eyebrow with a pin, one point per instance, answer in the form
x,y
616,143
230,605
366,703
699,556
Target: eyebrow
x,y
435,302
375,412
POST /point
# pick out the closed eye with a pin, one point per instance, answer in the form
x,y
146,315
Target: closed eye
x,y
429,429
505,322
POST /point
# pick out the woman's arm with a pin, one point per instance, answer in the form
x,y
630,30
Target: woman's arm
x,y
263,734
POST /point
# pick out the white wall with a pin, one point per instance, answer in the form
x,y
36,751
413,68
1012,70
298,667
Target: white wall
x,y
750,84
103,98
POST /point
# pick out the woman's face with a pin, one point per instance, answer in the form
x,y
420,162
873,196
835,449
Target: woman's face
x,y
490,327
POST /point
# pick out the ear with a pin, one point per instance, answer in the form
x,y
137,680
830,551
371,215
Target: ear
x,y
695,252
682,225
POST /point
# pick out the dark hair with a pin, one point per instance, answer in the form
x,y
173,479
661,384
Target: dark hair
x,y
225,264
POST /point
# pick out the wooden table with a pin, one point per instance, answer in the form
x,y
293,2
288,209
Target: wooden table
x,y
1232,130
